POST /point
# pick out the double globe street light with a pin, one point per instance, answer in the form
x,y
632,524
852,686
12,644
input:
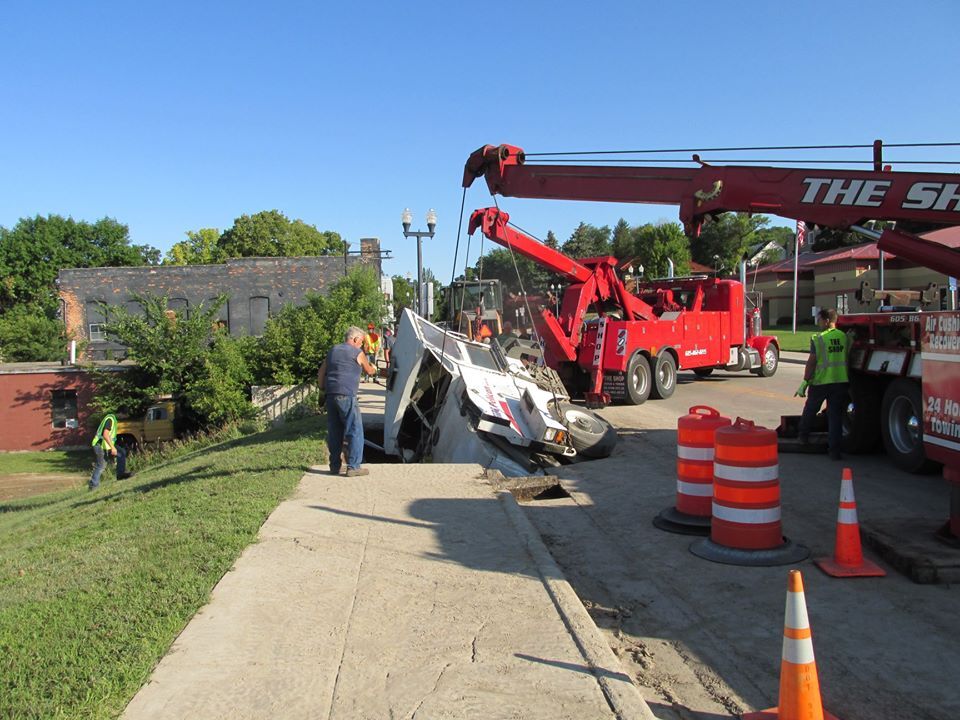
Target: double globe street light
x,y
407,219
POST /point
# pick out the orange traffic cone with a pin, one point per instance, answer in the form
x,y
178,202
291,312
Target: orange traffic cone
x,y
799,687
848,560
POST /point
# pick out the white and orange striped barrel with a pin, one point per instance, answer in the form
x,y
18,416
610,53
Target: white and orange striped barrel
x,y
695,435
746,487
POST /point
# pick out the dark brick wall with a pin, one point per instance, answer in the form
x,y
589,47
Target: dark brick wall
x,y
252,285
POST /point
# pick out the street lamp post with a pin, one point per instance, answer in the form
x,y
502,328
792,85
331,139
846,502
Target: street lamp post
x,y
406,218
555,289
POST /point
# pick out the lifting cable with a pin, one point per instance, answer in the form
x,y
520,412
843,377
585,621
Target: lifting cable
x,y
744,149
593,155
523,292
764,161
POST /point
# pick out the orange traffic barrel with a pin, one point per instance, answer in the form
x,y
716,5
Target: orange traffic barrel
x,y
695,440
746,528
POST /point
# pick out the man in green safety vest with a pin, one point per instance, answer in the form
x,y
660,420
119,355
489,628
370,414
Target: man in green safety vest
x,y
825,378
104,443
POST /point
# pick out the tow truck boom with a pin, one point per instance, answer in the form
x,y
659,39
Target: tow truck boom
x,y
844,199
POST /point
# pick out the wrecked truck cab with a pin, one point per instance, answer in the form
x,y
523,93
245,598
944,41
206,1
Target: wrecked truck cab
x,y
453,400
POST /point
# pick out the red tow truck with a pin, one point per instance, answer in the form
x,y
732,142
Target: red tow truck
x,y
905,374
641,336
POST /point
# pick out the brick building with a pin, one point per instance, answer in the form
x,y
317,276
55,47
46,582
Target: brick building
x,y
831,279
256,289
48,406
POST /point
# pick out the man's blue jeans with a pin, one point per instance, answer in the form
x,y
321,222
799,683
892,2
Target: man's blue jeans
x,y
100,463
836,397
344,423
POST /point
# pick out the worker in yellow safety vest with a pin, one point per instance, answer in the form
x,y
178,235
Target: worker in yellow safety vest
x,y
825,379
371,346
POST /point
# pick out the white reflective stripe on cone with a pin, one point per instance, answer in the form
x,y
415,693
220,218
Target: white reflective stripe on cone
x,y
798,652
847,517
746,474
795,613
746,517
846,491
685,452
696,489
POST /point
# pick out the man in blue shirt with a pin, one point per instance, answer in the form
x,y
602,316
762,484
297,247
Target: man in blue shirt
x,y
339,376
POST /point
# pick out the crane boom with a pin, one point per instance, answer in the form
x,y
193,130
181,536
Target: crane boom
x,y
830,198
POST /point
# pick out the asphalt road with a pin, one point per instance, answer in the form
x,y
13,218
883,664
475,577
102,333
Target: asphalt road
x,y
703,640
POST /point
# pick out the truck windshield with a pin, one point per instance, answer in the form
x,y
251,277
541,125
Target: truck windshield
x,y
467,296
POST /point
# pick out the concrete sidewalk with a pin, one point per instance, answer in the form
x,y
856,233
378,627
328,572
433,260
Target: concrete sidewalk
x,y
415,592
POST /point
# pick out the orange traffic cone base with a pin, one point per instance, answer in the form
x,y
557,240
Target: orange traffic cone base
x,y
864,569
774,714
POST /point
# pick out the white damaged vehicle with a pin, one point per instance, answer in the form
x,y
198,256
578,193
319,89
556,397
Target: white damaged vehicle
x,y
452,400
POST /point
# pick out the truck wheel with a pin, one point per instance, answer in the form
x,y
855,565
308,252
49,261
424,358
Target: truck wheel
x,y
128,443
861,417
638,379
770,363
901,423
703,372
591,435
664,376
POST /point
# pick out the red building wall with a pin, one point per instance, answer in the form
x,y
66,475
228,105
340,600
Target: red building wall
x,y
26,416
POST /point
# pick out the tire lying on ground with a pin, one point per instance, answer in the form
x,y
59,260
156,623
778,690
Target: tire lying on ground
x,y
591,435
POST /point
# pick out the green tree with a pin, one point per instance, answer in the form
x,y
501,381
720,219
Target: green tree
x,y
36,249
28,335
588,241
271,234
202,247
403,295
220,394
170,350
297,339
724,240
499,264
623,245
655,245
551,241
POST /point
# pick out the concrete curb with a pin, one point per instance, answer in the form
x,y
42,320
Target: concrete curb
x,y
621,694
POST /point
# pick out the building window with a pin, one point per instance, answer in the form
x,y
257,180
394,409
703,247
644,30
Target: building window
x,y
223,314
259,312
180,305
63,405
98,331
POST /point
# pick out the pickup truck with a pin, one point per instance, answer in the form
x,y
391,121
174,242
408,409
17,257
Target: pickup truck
x,y
155,426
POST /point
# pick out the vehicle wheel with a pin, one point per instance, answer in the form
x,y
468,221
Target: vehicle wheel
x,y
591,435
128,443
703,372
901,423
771,361
664,376
638,379
861,417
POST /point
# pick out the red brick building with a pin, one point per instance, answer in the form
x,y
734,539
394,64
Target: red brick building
x,y
47,405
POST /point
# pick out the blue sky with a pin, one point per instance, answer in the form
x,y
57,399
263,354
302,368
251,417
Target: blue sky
x,y
176,116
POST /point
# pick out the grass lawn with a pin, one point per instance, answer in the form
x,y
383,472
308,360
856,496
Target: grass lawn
x,y
799,341
47,462
95,586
